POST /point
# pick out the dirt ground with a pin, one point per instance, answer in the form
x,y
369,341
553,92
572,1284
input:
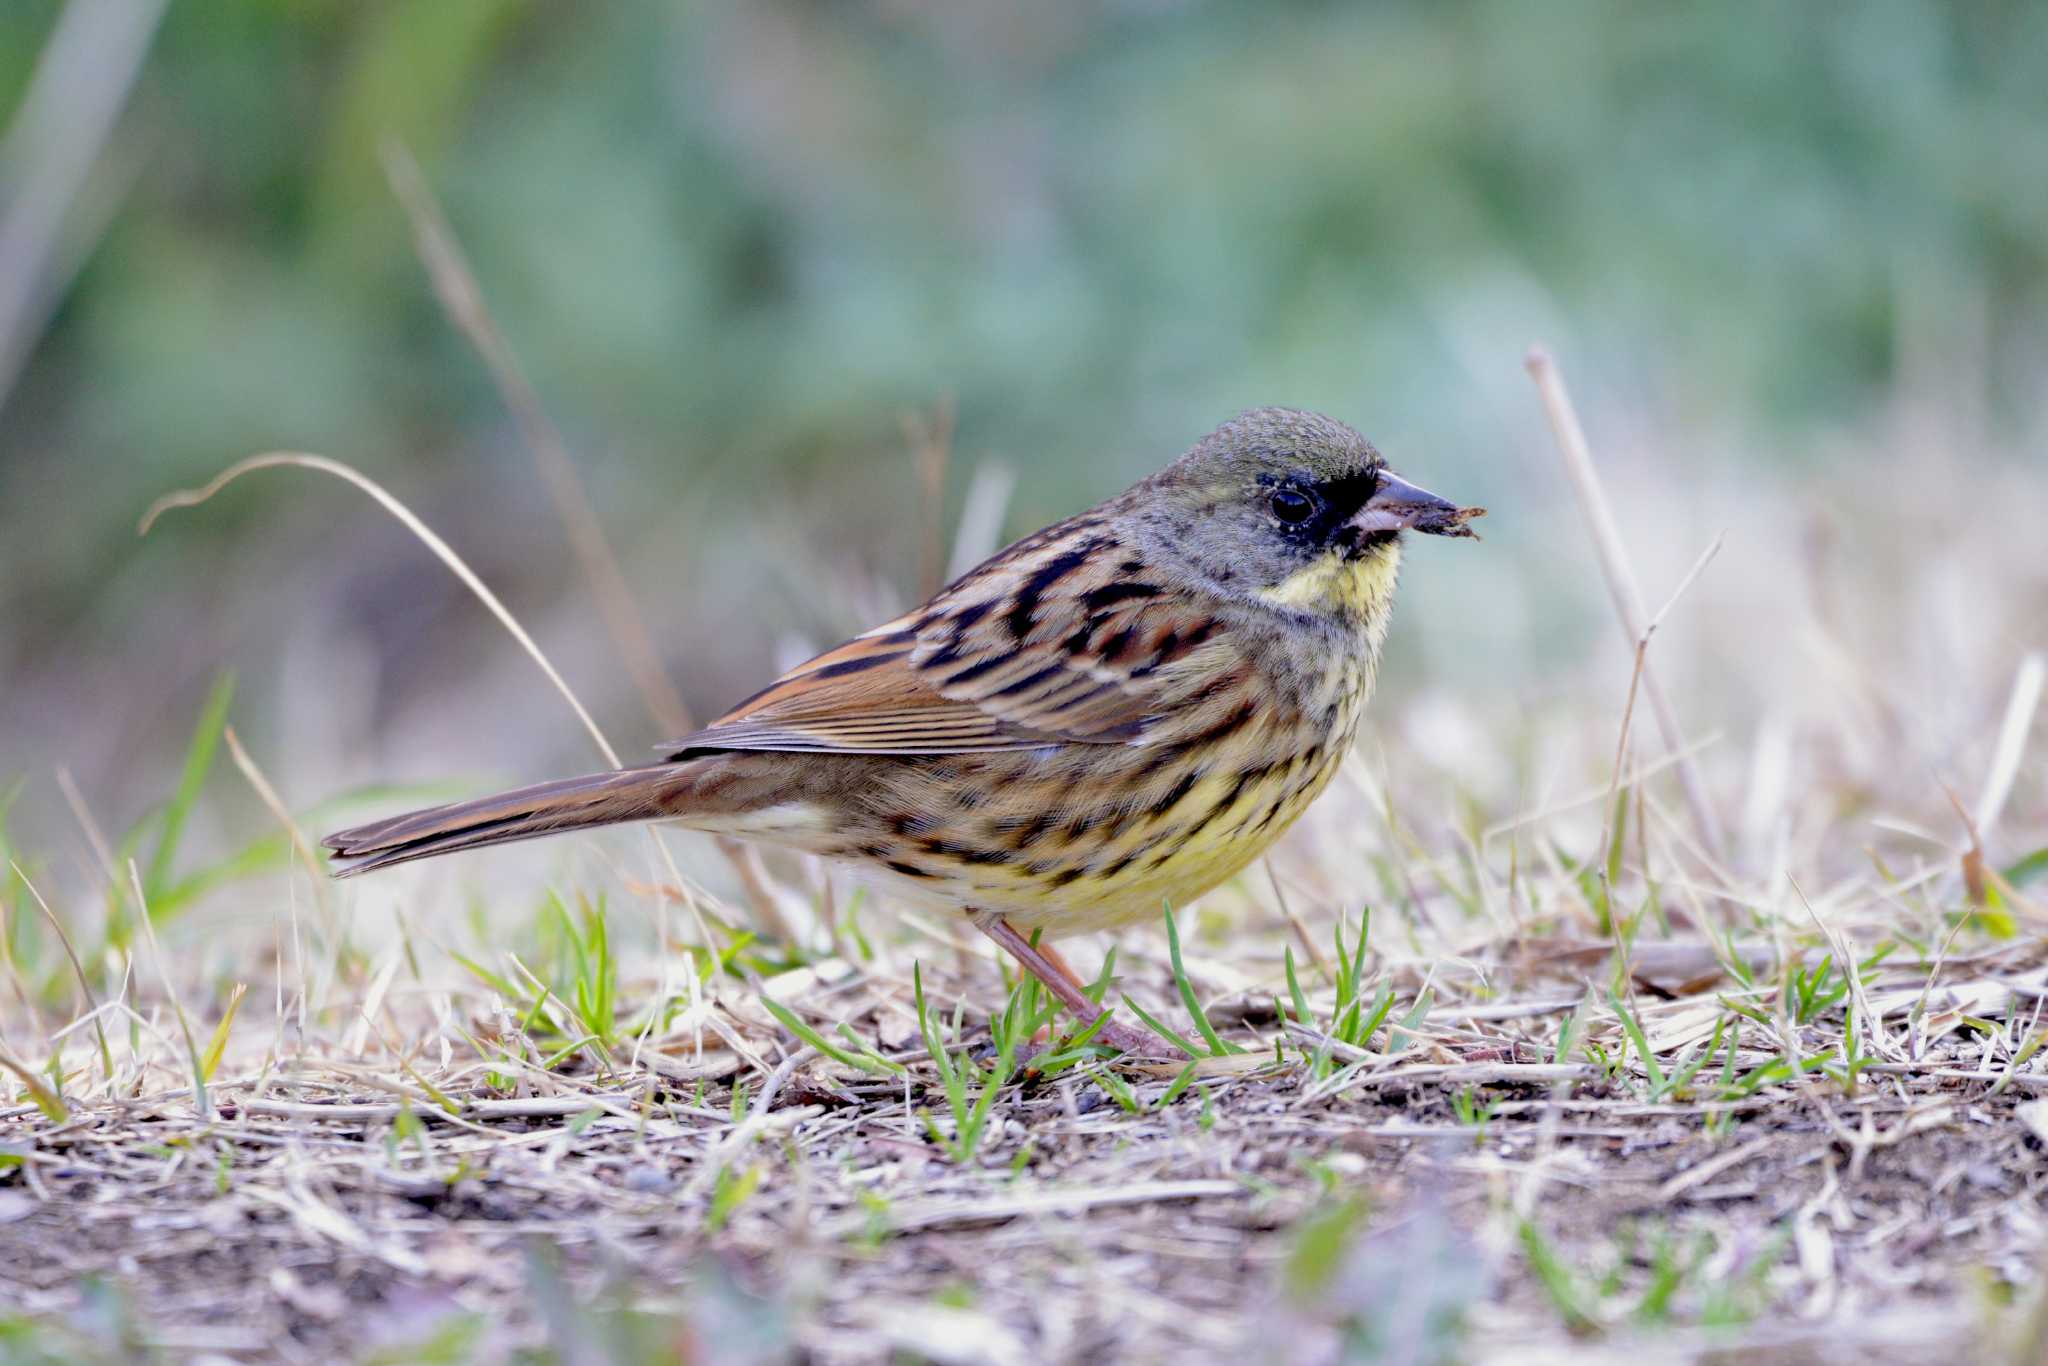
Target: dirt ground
x,y
1463,1198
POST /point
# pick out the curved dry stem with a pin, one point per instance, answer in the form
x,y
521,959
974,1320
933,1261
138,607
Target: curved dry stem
x,y
185,498
462,298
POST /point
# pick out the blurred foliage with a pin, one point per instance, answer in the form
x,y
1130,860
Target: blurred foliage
x,y
733,243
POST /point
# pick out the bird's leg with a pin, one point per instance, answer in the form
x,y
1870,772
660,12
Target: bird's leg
x,y
1048,967
1063,967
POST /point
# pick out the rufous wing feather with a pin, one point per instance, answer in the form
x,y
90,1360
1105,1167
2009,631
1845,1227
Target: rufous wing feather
x,y
1062,639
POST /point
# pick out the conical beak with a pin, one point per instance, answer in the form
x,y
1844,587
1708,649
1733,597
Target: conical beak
x,y
1397,505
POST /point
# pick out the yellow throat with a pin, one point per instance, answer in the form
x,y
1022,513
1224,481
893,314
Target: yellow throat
x,y
1361,590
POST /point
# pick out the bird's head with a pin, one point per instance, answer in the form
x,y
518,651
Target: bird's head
x,y
1295,511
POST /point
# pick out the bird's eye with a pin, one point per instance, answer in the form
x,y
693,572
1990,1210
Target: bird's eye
x,y
1292,506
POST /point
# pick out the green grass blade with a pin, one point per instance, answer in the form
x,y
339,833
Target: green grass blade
x,y
48,1101
1119,1090
209,1062
1634,1030
2019,874
213,720
1217,1046
1295,994
876,1067
1162,1030
1402,1035
1181,1083
1384,1006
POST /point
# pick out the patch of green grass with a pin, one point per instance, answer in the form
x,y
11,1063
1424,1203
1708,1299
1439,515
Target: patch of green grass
x,y
1811,992
729,1192
861,1057
2024,870
1662,1084
576,1006
1352,1020
170,821
1127,1097
969,1091
1472,1112
1665,1283
1320,1243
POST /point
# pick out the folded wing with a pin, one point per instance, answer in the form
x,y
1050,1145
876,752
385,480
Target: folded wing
x,y
1064,638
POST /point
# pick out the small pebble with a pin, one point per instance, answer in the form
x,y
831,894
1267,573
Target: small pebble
x,y
648,1179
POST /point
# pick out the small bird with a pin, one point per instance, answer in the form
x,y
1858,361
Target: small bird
x,y
1115,713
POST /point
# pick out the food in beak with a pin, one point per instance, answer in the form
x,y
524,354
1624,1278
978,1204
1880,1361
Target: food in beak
x,y
1397,505
1449,521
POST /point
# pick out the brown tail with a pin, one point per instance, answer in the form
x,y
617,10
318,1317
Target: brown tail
x,y
631,794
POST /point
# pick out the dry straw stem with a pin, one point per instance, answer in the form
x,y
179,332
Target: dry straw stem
x,y
2020,707
270,460
446,554
1611,830
455,285
200,1105
78,968
1621,583
980,529
275,804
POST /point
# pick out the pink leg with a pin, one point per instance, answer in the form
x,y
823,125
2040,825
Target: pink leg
x,y
1050,968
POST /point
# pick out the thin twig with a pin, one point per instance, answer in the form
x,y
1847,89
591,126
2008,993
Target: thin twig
x,y
1002,1208
1295,922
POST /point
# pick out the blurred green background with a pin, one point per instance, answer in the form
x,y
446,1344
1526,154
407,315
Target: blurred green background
x,y
734,244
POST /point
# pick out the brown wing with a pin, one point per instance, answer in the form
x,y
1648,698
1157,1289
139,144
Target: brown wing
x,y
1065,637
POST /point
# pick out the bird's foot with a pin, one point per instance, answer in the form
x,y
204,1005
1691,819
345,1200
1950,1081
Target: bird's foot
x,y
1130,1040
1123,1038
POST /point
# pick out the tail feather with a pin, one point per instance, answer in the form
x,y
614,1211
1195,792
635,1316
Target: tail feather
x,y
633,794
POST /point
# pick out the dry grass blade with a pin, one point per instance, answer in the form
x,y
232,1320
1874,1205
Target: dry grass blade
x,y
2020,708
186,498
275,805
1621,583
455,285
978,533
46,1100
78,969
960,1213
201,1105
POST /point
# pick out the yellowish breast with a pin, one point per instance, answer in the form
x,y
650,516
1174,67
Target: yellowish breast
x,y
1360,590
